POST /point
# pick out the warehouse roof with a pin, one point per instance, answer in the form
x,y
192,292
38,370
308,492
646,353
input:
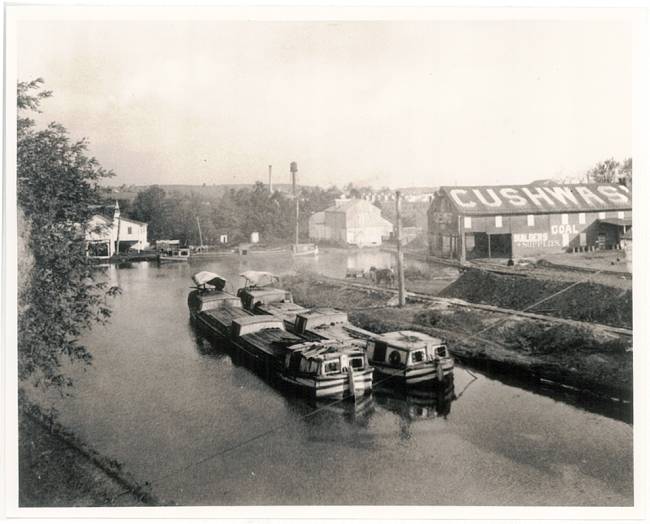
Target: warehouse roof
x,y
535,199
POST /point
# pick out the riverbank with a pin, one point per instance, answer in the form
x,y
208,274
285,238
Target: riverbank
x,y
580,299
57,469
583,357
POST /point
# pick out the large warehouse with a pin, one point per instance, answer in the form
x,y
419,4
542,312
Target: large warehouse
x,y
521,221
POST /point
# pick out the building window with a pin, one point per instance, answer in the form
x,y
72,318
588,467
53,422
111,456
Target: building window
x,y
581,218
531,220
565,219
498,221
468,222
621,215
129,230
601,215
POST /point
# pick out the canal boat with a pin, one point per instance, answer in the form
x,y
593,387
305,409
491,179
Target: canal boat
x,y
328,323
322,369
260,296
212,309
411,358
304,249
175,255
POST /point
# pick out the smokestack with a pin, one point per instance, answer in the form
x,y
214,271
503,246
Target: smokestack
x,y
270,179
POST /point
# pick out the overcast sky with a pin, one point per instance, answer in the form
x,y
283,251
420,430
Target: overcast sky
x,y
382,103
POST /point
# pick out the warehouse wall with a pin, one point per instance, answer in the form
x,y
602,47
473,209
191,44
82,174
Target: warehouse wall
x,y
544,233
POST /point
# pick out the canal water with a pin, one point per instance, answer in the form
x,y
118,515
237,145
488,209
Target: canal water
x,y
177,412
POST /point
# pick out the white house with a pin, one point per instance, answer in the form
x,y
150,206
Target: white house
x,y
355,221
106,236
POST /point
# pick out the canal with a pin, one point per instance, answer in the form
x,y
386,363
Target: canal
x,y
177,412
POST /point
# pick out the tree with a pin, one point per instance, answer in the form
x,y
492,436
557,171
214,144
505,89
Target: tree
x,y
61,292
605,172
150,206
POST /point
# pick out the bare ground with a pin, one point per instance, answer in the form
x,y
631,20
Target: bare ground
x,y
582,357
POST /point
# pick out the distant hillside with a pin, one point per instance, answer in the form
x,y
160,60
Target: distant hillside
x,y
129,192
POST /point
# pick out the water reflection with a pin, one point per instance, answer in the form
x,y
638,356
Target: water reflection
x,y
417,404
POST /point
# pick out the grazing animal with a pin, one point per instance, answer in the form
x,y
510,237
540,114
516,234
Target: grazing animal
x,y
385,275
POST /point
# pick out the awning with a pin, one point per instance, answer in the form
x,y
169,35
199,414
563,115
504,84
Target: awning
x,y
259,278
206,277
616,221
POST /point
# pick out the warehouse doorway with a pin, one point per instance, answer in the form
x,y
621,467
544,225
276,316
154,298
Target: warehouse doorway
x,y
491,246
501,246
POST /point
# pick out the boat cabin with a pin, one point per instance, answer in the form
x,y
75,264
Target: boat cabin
x,y
253,324
402,349
324,358
328,323
209,293
258,290
287,311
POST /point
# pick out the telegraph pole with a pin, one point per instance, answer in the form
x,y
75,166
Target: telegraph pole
x,y
400,255
293,167
270,179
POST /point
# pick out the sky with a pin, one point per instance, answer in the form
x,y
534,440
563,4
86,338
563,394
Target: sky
x,y
381,103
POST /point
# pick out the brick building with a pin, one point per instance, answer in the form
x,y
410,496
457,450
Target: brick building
x,y
530,220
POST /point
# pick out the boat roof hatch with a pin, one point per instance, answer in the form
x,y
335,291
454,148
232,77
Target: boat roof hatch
x,y
408,339
259,278
206,277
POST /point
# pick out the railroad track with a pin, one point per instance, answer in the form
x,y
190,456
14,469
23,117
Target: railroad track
x,y
425,298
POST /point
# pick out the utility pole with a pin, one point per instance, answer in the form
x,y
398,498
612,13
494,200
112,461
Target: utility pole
x,y
400,255
461,237
293,167
270,180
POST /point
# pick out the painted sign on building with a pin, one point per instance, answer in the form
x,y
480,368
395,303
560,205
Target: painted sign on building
x,y
536,199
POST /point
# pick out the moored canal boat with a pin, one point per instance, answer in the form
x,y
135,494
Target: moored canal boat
x,y
259,295
304,249
212,309
322,369
410,357
175,255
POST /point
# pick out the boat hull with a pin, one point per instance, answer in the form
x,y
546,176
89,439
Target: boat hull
x,y
164,259
421,376
335,387
271,368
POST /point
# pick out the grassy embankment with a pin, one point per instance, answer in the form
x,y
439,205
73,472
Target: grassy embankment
x,y
582,357
57,469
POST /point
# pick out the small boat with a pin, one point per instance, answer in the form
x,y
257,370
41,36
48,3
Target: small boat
x,y
410,357
328,323
211,308
180,255
304,249
319,369
260,296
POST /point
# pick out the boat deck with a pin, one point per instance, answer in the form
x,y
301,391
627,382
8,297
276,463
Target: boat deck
x,y
273,342
287,311
222,317
343,331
